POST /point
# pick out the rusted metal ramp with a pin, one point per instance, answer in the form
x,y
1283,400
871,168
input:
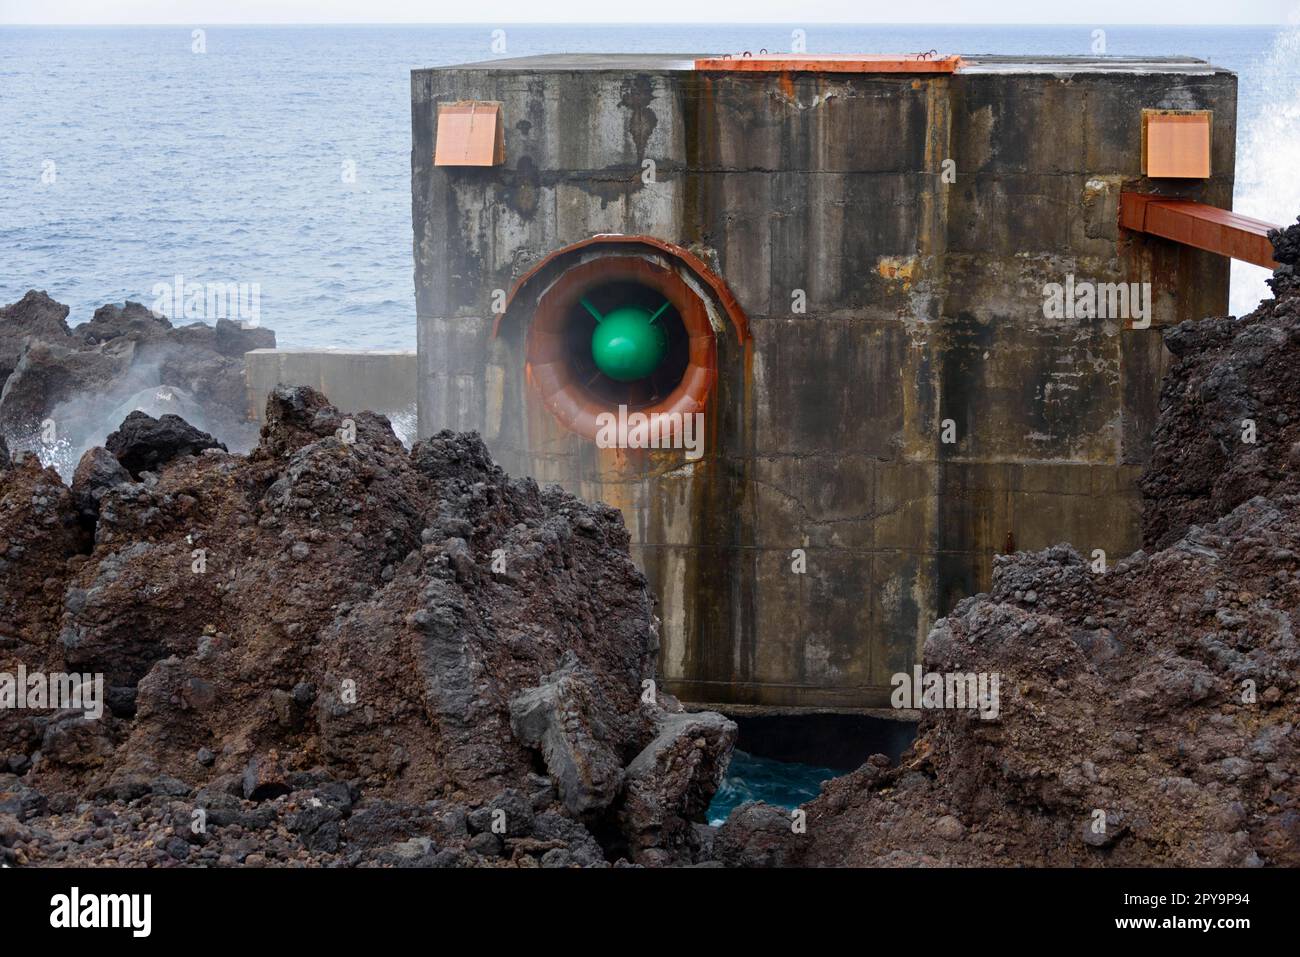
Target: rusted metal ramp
x,y
1196,224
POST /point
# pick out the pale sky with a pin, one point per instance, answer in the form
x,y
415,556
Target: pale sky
x,y
202,12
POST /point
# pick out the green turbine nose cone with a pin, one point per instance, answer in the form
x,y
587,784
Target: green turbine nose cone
x,y
627,345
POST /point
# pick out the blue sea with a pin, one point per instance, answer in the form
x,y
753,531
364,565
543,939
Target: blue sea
x,y
281,155
749,777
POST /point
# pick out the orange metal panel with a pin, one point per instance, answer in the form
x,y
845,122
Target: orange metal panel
x,y
1196,224
834,63
1176,144
470,133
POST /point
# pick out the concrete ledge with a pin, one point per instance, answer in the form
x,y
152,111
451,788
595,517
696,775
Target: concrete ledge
x,y
379,381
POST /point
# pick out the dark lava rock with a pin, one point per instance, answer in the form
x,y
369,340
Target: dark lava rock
x,y
265,778
74,376
48,374
234,339
510,808
678,771
1229,426
347,627
97,472
131,321
758,835
485,844
36,315
1286,250
143,443
550,719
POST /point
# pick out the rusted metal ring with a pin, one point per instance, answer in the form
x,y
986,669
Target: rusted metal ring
x,y
717,287
548,366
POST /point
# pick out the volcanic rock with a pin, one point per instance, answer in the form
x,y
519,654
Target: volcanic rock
x,y
58,384
555,719
47,374
1286,250
671,782
757,835
325,613
131,321
233,339
36,315
97,472
143,443
1229,426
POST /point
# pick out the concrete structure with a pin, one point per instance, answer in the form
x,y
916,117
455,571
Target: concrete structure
x,y
917,219
382,381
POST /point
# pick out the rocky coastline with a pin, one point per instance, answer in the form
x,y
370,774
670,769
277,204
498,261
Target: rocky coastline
x,y
336,651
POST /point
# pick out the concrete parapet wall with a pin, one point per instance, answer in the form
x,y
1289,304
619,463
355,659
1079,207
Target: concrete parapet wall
x,y
380,381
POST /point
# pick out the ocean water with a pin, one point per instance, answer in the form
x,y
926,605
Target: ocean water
x,y
126,158
752,778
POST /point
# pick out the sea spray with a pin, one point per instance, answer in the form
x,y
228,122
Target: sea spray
x,y
1269,144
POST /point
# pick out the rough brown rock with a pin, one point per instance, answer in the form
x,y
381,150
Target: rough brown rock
x,y
758,835
1229,426
335,611
670,783
96,473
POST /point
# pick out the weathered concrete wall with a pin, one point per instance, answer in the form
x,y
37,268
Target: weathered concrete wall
x,y
381,381
924,303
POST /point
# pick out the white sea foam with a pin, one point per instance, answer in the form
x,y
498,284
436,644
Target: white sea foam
x,y
1268,150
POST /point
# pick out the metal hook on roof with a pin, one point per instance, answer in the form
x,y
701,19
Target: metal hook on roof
x,y
926,56
763,52
746,53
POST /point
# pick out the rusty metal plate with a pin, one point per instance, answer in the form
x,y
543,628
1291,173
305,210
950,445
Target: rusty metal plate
x,y
1176,143
470,133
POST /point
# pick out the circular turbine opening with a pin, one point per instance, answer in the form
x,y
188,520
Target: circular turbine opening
x,y
620,331
627,344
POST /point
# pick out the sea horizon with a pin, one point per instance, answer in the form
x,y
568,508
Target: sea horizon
x,y
282,158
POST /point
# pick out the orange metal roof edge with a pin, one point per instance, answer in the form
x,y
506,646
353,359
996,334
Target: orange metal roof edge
x,y
1196,224
834,63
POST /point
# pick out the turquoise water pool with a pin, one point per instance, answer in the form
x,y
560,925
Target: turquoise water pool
x,y
751,778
